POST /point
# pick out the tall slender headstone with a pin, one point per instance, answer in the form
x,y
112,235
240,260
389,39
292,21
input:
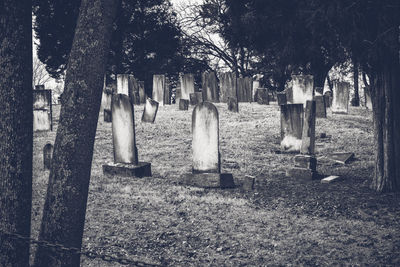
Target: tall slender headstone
x,y
256,85
210,90
228,86
302,88
167,92
159,84
206,169
150,110
291,127
47,156
340,101
126,161
134,90
187,85
123,84
320,106
42,110
142,92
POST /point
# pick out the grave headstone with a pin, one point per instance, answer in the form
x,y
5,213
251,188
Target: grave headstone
x,y
196,98
302,88
262,96
187,85
308,135
126,161
134,90
42,110
340,101
107,115
142,92
183,104
328,99
233,104
47,156
159,84
244,90
291,127
167,92
206,171
123,84
320,106
209,85
281,96
367,97
150,110
228,86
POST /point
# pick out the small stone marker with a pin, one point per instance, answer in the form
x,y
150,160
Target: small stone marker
x,y
340,101
248,182
320,111
308,135
196,98
262,96
150,110
303,88
330,179
183,104
126,161
282,99
291,127
47,156
233,104
206,169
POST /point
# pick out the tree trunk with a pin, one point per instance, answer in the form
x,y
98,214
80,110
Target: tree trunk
x,y
356,99
320,74
65,206
16,113
385,95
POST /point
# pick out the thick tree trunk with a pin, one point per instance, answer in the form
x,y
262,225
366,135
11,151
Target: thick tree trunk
x,y
16,113
356,99
385,96
320,74
65,206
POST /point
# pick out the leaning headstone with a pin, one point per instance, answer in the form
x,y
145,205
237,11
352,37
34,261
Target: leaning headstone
x,y
42,110
320,106
183,104
262,96
228,86
209,85
196,98
126,161
291,127
281,96
187,85
206,169
233,104
47,156
340,101
142,93
303,88
150,110
159,84
308,135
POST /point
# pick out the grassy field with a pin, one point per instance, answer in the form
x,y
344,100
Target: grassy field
x,y
283,221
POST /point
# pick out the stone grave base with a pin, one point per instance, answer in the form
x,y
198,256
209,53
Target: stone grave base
x,y
209,180
302,173
142,169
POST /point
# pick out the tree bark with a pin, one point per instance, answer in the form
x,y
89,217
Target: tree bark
x,y
16,113
356,99
385,95
65,206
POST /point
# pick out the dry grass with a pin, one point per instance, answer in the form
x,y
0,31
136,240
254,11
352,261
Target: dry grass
x,y
282,222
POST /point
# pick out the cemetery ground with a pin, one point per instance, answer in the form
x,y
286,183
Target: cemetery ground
x,y
283,221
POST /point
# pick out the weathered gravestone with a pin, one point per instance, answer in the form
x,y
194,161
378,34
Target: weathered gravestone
x,y
206,171
196,98
126,161
281,96
47,156
106,103
291,127
244,90
183,104
209,85
320,106
134,90
160,88
187,85
328,99
255,86
233,104
150,110
340,101
123,84
367,97
142,92
262,96
306,163
302,88
227,86
42,110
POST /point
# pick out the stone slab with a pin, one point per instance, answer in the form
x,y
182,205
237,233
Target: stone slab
x,y
210,87
302,173
142,169
305,161
291,127
343,157
303,88
320,109
150,110
308,135
340,101
42,120
183,104
248,182
330,179
209,180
